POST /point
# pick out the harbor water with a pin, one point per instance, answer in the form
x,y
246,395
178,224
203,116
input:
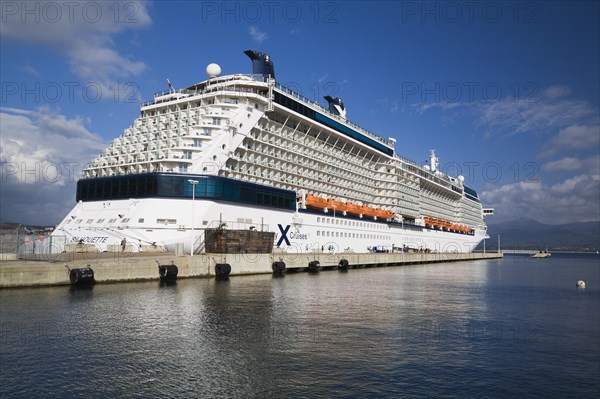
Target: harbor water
x,y
512,327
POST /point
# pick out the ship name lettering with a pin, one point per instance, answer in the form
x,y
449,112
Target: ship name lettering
x,y
91,240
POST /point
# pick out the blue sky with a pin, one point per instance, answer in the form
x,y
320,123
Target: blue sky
x,y
506,92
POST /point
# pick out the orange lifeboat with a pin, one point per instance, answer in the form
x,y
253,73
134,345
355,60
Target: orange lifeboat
x,y
440,224
339,206
368,211
429,222
384,214
354,209
319,203
314,202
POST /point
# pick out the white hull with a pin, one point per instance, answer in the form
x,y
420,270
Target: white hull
x,y
541,255
166,223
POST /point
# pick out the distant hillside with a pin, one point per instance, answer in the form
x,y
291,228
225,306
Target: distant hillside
x,y
530,234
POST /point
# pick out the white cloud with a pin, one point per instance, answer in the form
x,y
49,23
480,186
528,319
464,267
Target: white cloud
x,y
564,164
575,137
45,149
570,185
532,117
31,139
548,112
83,31
257,35
573,200
443,105
569,164
113,65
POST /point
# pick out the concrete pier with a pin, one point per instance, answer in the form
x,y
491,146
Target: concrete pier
x,y
114,267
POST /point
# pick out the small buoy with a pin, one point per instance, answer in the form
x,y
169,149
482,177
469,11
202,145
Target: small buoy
x,y
581,284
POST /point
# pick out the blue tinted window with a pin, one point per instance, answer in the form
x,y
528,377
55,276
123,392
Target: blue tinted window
x,y
178,186
300,108
470,191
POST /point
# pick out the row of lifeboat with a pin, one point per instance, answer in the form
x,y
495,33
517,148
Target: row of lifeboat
x,y
446,226
349,208
346,208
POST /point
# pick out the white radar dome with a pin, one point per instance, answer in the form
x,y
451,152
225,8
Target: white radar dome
x,y
213,70
461,178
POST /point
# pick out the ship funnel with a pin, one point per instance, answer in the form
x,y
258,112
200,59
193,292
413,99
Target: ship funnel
x,y
336,106
261,63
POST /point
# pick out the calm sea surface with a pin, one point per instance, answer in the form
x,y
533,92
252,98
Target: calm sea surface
x,y
514,328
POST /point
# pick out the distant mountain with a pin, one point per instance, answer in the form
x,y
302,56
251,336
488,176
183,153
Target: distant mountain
x,y
528,233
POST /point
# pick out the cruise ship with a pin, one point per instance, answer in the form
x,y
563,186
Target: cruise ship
x,y
244,152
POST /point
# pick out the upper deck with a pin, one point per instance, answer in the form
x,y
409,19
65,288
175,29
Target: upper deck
x,y
294,101
257,84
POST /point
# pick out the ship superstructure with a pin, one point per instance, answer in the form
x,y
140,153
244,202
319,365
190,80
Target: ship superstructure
x,y
252,153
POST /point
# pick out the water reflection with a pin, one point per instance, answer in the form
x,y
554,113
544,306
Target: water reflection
x,y
167,282
81,290
459,329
